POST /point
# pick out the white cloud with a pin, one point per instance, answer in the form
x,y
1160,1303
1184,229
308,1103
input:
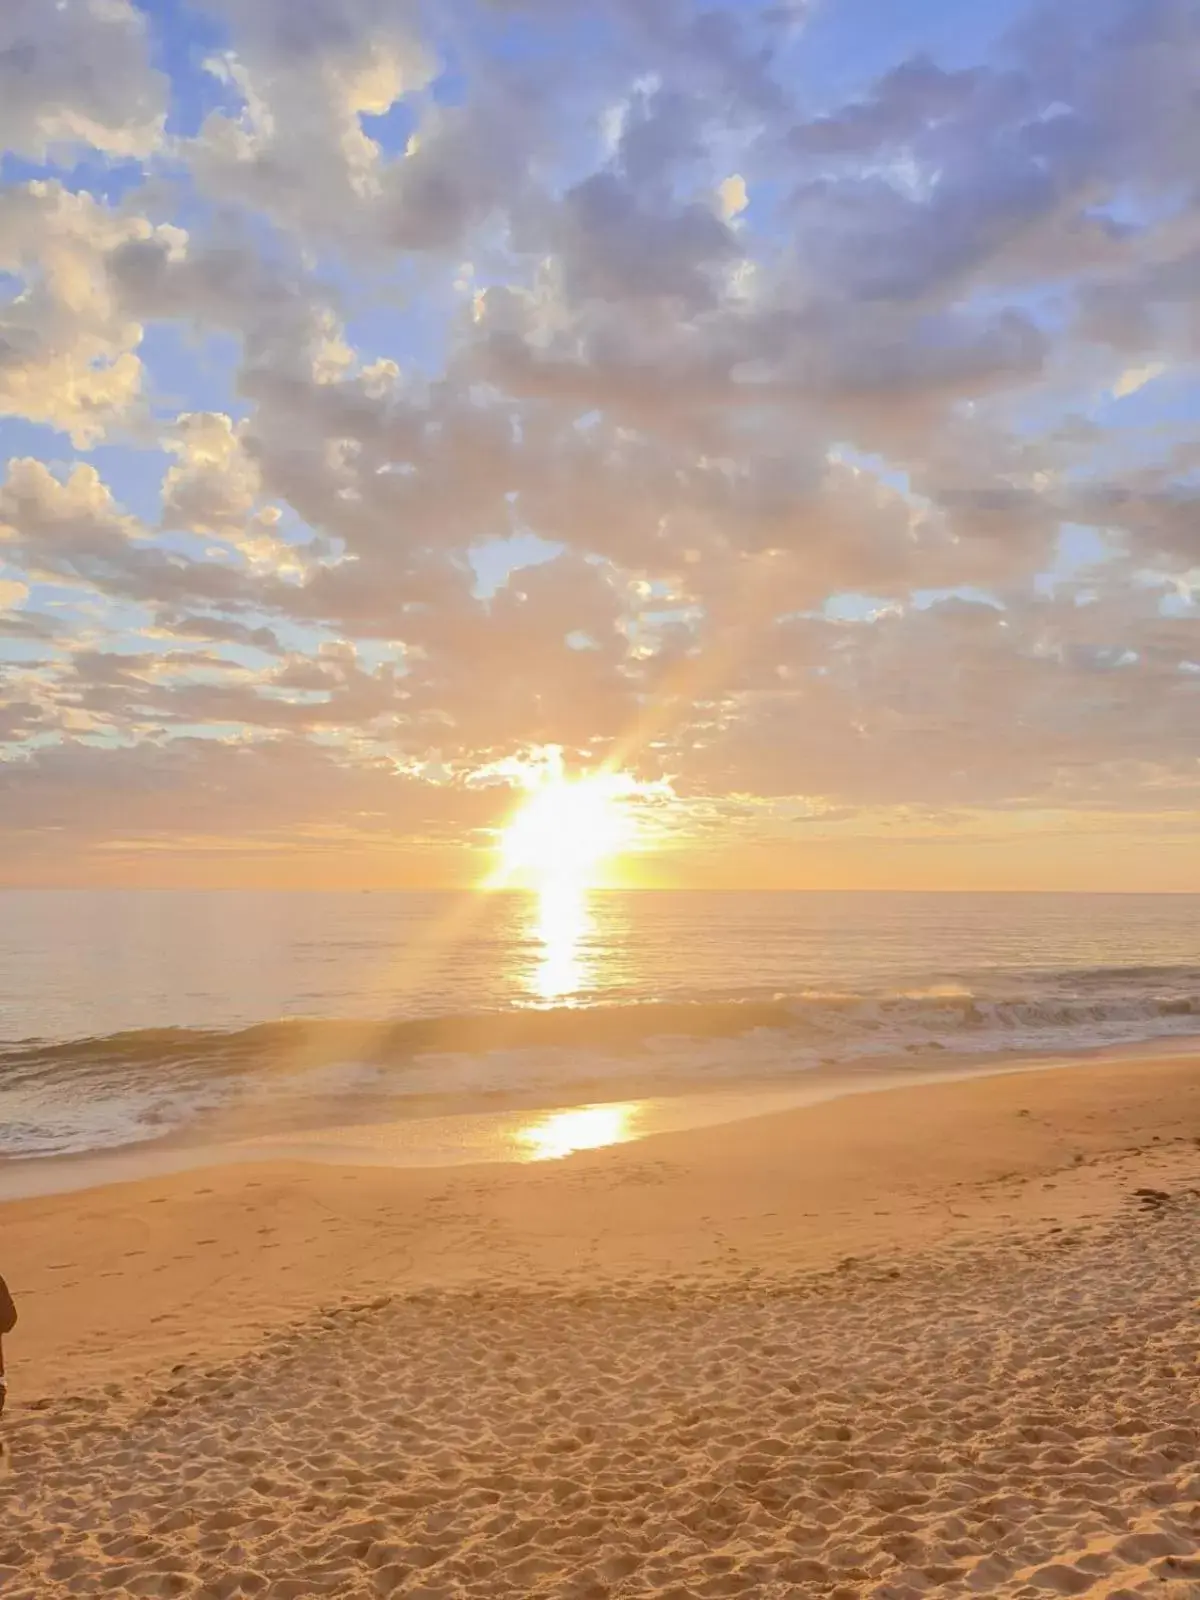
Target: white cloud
x,y
213,485
68,349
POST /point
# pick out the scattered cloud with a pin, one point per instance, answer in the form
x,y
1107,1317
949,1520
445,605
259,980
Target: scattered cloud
x,y
796,402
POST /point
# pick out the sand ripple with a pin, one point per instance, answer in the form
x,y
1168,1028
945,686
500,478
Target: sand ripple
x,y
1016,1421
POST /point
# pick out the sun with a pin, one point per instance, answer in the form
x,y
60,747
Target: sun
x,y
558,843
566,830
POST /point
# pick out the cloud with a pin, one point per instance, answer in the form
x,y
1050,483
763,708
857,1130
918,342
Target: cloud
x,y
297,149
610,249
214,488
797,471
110,808
41,513
77,72
1135,378
906,101
283,320
73,529
68,350
963,703
733,195
12,593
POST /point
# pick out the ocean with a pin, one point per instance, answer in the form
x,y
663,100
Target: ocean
x,y
131,1017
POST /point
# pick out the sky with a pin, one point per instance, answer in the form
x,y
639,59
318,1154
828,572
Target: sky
x,y
790,408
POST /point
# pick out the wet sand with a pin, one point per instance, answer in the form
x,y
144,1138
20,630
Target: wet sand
x,y
925,1341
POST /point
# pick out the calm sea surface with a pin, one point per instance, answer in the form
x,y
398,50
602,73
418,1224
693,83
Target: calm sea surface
x,y
125,1016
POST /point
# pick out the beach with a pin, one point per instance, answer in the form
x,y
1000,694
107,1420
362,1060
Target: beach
x,y
929,1340
599,800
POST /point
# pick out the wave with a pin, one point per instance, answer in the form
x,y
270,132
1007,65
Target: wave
x,y
58,1096
282,1044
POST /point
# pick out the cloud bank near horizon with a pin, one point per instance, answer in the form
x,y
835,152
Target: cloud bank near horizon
x,y
745,395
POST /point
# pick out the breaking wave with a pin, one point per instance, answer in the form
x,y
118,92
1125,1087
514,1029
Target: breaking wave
x,y
64,1096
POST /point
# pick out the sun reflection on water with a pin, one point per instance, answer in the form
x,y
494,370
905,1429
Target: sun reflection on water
x,y
562,925
561,1133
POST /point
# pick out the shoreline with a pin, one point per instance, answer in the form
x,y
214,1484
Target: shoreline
x,y
488,1129
262,1242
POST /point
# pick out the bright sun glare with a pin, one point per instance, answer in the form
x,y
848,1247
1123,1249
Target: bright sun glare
x,y
558,843
563,833
567,829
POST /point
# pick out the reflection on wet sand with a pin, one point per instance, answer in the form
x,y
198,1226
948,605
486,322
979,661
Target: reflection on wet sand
x,y
588,1128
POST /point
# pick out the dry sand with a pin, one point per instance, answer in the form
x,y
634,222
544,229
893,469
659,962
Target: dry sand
x,y
921,1342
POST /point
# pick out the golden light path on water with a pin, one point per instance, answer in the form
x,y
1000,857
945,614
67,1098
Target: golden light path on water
x,y
557,844
562,924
